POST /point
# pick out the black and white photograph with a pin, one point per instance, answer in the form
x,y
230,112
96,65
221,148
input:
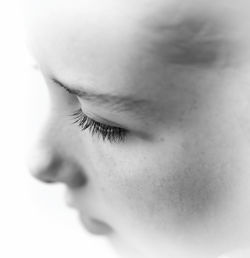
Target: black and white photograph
x,y
125,129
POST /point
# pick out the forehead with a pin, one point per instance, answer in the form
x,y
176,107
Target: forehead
x,y
88,42
82,24
119,24
117,45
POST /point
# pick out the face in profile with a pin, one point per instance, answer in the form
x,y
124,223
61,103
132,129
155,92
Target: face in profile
x,y
149,127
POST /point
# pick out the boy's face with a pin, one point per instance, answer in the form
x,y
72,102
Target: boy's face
x,y
177,184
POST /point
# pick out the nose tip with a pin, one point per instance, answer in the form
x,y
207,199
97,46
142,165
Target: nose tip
x,y
43,167
50,168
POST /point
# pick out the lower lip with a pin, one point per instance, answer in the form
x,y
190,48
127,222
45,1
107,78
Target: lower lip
x,y
95,227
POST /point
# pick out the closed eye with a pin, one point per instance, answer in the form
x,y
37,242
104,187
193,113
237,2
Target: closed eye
x,y
112,134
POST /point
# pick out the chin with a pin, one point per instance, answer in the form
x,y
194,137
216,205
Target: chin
x,y
126,249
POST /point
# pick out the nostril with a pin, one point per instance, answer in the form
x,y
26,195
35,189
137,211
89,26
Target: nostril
x,y
51,168
77,179
72,174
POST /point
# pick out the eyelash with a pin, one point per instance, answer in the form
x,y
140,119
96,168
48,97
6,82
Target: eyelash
x,y
106,132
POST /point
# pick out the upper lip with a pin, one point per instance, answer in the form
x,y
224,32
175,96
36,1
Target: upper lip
x,y
69,200
93,225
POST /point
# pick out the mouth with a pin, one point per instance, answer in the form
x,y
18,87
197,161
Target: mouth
x,y
92,225
95,226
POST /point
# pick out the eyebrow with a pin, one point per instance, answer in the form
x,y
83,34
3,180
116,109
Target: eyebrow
x,y
118,103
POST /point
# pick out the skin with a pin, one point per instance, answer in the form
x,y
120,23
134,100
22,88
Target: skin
x,y
178,186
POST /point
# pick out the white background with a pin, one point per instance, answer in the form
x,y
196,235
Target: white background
x,y
34,221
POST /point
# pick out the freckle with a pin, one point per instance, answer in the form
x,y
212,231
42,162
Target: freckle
x,y
162,139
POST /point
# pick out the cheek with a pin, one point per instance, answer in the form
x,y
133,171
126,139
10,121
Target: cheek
x,y
167,189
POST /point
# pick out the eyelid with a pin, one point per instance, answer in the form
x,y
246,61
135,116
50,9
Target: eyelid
x,y
107,132
96,117
100,119
105,121
142,134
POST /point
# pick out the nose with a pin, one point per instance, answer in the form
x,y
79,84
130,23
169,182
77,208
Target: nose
x,y
50,167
